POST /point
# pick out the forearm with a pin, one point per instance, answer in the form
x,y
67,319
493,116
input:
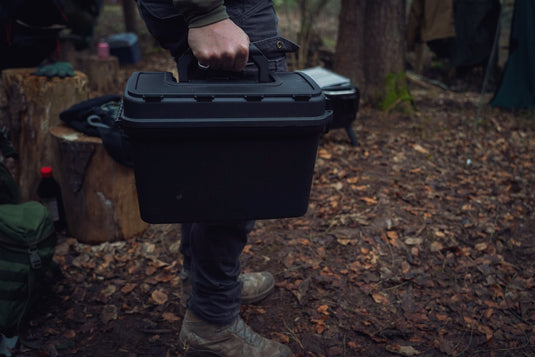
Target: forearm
x,y
199,13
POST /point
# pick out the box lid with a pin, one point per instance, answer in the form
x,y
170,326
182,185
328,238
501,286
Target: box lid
x,y
156,99
327,79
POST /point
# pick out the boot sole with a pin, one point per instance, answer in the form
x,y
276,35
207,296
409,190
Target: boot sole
x,y
188,351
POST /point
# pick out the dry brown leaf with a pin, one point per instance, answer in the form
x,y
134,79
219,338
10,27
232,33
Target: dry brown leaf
x,y
345,240
132,268
150,270
324,154
369,200
170,317
319,325
441,317
108,313
163,278
352,180
467,207
108,291
439,234
159,297
128,287
353,345
487,331
304,241
420,148
280,337
481,246
69,334
403,350
380,298
414,241
392,235
436,247
405,268
323,309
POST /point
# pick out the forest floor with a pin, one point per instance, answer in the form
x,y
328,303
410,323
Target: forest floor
x,y
417,242
406,249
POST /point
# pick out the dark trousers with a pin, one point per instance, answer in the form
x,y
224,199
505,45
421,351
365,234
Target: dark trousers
x,y
212,251
213,254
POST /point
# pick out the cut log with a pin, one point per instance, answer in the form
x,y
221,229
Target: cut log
x,y
99,194
33,107
102,74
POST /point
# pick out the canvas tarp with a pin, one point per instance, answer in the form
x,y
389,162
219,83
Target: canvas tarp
x,y
462,31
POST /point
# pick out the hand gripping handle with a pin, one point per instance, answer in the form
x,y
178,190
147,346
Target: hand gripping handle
x,y
187,64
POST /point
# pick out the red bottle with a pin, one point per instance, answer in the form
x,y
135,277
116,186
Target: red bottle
x,y
49,193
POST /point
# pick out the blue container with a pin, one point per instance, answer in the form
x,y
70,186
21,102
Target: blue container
x,y
125,47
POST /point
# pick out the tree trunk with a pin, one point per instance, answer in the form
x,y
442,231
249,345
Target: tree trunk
x,y
129,14
309,11
371,44
33,107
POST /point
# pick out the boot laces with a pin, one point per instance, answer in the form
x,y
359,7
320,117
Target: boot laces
x,y
241,329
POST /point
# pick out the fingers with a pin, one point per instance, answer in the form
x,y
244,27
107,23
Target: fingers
x,y
221,46
232,59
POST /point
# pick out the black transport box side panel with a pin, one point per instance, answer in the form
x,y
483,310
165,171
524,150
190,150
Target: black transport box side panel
x,y
212,151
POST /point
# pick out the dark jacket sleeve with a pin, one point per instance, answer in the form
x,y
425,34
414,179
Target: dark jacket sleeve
x,y
200,13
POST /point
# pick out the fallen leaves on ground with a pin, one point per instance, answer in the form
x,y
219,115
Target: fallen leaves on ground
x,y
405,250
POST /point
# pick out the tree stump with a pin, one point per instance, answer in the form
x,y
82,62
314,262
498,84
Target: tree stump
x,y
102,74
99,194
33,107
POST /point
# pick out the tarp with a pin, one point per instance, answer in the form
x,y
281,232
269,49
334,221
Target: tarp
x,y
517,85
462,31
475,27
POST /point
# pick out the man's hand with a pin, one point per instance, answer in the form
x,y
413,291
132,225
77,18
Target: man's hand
x,y
221,45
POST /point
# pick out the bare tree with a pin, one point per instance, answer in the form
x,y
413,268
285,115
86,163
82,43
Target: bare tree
x,y
371,44
309,11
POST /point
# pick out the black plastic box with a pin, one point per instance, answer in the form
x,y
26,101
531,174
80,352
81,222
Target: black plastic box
x,y
221,149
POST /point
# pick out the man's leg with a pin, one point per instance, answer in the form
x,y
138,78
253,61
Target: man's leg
x,y
255,286
167,26
215,268
212,324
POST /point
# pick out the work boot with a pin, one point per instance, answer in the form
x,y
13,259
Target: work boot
x,y
199,338
256,286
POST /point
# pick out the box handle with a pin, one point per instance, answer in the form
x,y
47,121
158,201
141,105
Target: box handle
x,y
187,65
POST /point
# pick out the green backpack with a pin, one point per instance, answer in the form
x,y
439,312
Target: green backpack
x,y
27,244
